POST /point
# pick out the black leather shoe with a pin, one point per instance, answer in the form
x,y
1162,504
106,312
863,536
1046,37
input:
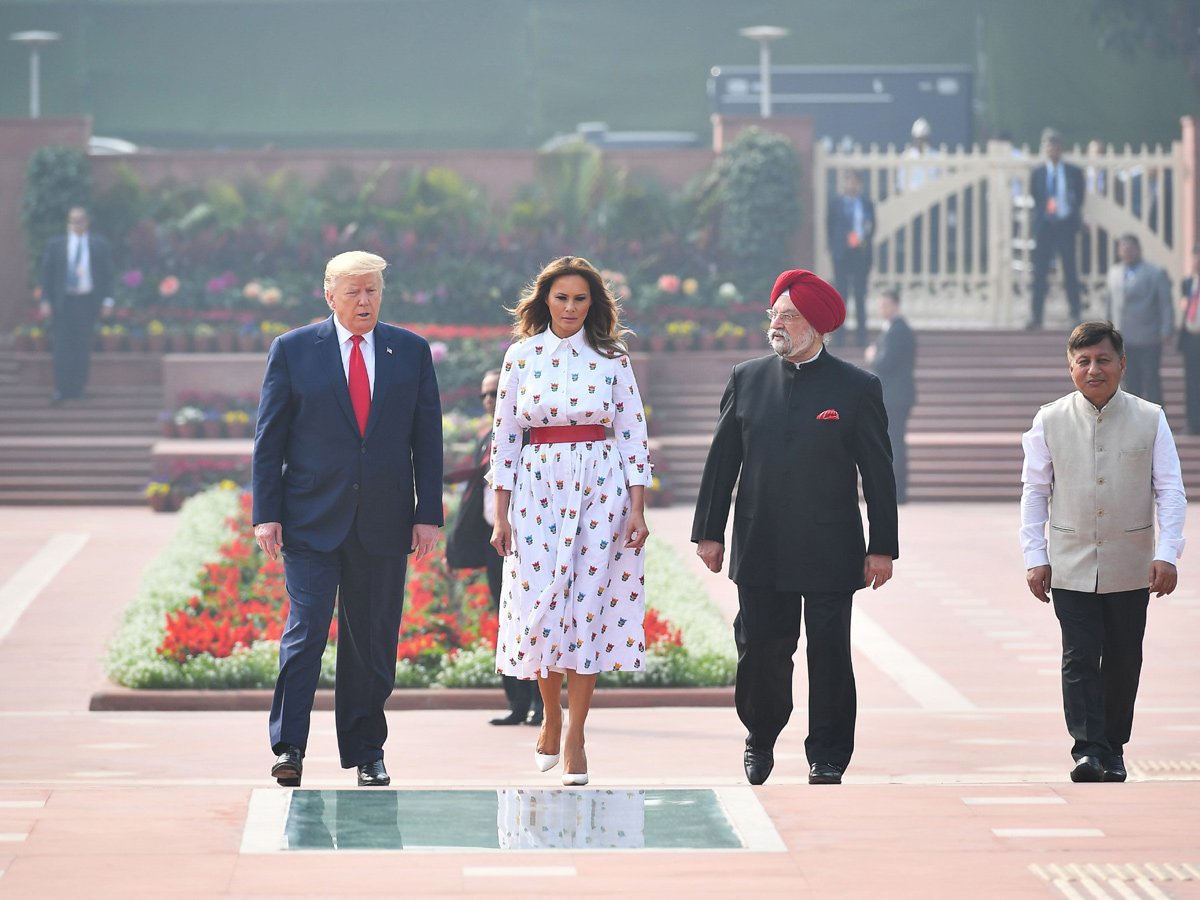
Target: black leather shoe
x,y
289,766
373,774
513,718
534,718
824,773
1114,769
1087,769
759,764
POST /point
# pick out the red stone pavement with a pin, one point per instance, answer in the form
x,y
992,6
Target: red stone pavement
x,y
153,804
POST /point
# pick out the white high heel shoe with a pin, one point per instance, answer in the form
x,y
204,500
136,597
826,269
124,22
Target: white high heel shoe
x,y
574,780
545,761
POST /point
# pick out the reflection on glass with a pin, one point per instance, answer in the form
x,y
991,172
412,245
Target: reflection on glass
x,y
556,819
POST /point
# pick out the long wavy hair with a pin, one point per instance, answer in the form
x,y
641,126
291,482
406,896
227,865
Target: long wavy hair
x,y
602,327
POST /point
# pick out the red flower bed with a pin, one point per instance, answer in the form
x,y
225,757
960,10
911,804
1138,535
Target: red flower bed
x,y
242,599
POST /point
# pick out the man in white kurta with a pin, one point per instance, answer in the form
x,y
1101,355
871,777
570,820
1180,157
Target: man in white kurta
x,y
573,597
1097,463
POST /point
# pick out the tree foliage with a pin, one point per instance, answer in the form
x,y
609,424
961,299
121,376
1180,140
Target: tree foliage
x,y
58,178
1159,27
760,212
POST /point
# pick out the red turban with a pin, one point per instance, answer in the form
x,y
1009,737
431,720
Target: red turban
x,y
815,299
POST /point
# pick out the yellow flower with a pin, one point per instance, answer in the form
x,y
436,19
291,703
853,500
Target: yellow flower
x,y
157,488
690,286
155,327
228,485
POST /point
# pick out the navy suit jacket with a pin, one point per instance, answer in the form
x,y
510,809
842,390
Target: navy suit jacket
x,y
55,262
895,362
1075,196
313,472
839,222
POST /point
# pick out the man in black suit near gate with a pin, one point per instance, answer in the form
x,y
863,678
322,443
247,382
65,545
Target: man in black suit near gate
x,y
799,428
1057,189
77,277
893,357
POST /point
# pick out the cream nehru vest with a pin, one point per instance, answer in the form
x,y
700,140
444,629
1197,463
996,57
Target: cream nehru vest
x,y
1101,535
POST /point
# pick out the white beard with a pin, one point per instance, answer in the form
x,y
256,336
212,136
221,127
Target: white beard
x,y
783,345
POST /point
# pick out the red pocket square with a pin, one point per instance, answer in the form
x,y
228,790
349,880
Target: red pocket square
x,y
829,414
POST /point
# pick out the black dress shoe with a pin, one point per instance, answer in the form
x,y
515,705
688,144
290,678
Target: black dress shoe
x,y
1087,769
759,764
289,766
824,773
513,718
373,774
534,718
1114,769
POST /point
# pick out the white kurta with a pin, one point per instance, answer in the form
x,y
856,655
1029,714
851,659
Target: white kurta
x,y
573,598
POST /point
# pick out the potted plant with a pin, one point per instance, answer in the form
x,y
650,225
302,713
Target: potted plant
x,y
658,343
156,336
39,340
158,494
225,339
237,423
166,423
247,339
203,336
214,423
135,341
708,341
178,340
188,420
112,338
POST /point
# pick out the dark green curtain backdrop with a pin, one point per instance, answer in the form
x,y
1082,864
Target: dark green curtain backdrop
x,y
511,73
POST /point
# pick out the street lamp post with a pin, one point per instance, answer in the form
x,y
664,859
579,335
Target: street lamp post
x,y
764,34
34,40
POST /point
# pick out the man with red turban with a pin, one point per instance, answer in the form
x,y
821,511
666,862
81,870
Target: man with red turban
x,y
799,427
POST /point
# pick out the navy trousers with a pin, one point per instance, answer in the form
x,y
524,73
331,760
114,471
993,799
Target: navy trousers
x,y
766,632
71,331
1101,666
369,591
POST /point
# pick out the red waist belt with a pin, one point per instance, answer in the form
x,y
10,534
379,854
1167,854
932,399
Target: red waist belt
x,y
567,434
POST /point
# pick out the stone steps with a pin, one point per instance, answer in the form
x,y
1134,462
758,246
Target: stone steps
x,y
977,392
90,451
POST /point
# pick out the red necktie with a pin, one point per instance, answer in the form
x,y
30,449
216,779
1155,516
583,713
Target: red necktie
x,y
360,385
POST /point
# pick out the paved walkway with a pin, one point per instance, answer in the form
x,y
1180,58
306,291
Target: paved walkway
x,y
958,787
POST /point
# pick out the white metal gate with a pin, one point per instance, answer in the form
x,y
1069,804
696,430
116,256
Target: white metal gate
x,y
954,228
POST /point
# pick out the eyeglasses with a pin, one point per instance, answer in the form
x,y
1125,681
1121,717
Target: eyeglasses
x,y
782,317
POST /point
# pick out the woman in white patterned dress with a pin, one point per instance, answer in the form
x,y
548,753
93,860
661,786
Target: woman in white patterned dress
x,y
569,501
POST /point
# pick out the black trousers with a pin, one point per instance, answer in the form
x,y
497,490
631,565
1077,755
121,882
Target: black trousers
x,y
1054,238
1143,371
1101,664
71,331
766,631
1189,346
369,591
522,696
897,427
850,277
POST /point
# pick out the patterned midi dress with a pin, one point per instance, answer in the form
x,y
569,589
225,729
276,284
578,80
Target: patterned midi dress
x,y
573,598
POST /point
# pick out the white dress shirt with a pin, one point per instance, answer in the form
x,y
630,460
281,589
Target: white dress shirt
x,y
367,347
805,362
77,243
1166,481
1062,203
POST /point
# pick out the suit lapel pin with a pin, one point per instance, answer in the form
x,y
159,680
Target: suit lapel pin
x,y
389,349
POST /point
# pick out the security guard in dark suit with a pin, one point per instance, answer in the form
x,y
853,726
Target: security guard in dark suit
x,y
799,428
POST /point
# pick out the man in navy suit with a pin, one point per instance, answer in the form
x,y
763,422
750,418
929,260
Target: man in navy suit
x,y
77,276
893,359
850,227
347,481
1057,190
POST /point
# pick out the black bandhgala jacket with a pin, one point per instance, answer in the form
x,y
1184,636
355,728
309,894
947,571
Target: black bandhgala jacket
x,y
799,438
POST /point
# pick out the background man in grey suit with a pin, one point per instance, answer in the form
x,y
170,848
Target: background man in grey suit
x,y
1139,304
